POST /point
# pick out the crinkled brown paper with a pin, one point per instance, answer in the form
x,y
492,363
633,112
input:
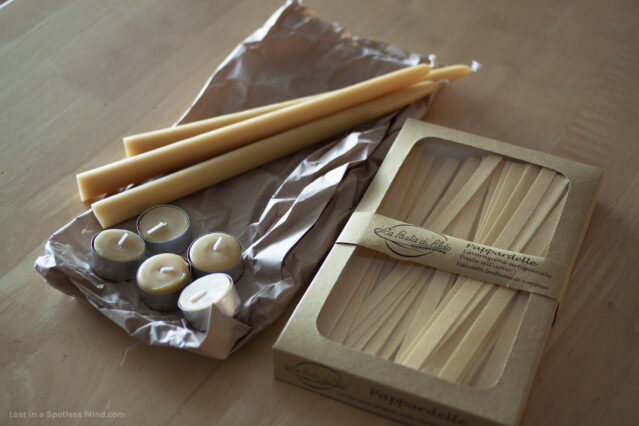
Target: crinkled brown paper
x,y
287,213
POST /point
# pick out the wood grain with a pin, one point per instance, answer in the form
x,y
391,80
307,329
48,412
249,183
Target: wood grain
x,y
560,77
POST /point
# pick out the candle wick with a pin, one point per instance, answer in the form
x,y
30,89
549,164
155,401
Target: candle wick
x,y
217,243
122,239
156,227
198,296
165,269
431,59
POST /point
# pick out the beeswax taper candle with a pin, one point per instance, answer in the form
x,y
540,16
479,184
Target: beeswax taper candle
x,y
143,142
169,188
111,177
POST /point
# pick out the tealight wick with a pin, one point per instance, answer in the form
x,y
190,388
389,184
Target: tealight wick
x,y
156,227
217,243
122,239
198,296
166,269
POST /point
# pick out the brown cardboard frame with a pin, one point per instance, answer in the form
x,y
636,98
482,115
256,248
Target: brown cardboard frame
x,y
304,357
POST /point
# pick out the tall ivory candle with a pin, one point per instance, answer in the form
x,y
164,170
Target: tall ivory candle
x,y
450,73
169,188
143,142
109,178
138,144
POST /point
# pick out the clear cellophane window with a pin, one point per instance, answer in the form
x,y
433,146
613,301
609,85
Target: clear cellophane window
x,y
444,324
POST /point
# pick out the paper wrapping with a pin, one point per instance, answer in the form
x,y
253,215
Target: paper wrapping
x,y
413,243
287,214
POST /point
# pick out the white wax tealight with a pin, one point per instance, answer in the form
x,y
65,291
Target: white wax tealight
x,y
213,289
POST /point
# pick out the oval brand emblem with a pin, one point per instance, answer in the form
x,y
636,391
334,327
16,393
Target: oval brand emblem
x,y
316,376
413,241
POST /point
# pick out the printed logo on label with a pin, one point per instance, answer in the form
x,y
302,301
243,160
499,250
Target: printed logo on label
x,y
316,376
413,241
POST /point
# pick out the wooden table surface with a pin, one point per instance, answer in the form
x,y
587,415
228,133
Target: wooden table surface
x,y
77,75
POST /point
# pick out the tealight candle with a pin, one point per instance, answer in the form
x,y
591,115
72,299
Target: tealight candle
x,y
116,254
216,252
213,289
165,228
160,280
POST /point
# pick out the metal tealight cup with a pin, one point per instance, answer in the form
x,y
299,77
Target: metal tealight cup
x,y
235,271
164,301
112,270
175,245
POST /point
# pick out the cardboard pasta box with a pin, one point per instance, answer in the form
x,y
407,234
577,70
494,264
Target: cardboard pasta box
x,y
434,305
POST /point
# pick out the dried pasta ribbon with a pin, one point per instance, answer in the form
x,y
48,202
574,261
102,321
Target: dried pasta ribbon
x,y
458,328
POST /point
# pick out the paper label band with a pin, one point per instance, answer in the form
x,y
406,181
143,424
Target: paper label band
x,y
414,243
